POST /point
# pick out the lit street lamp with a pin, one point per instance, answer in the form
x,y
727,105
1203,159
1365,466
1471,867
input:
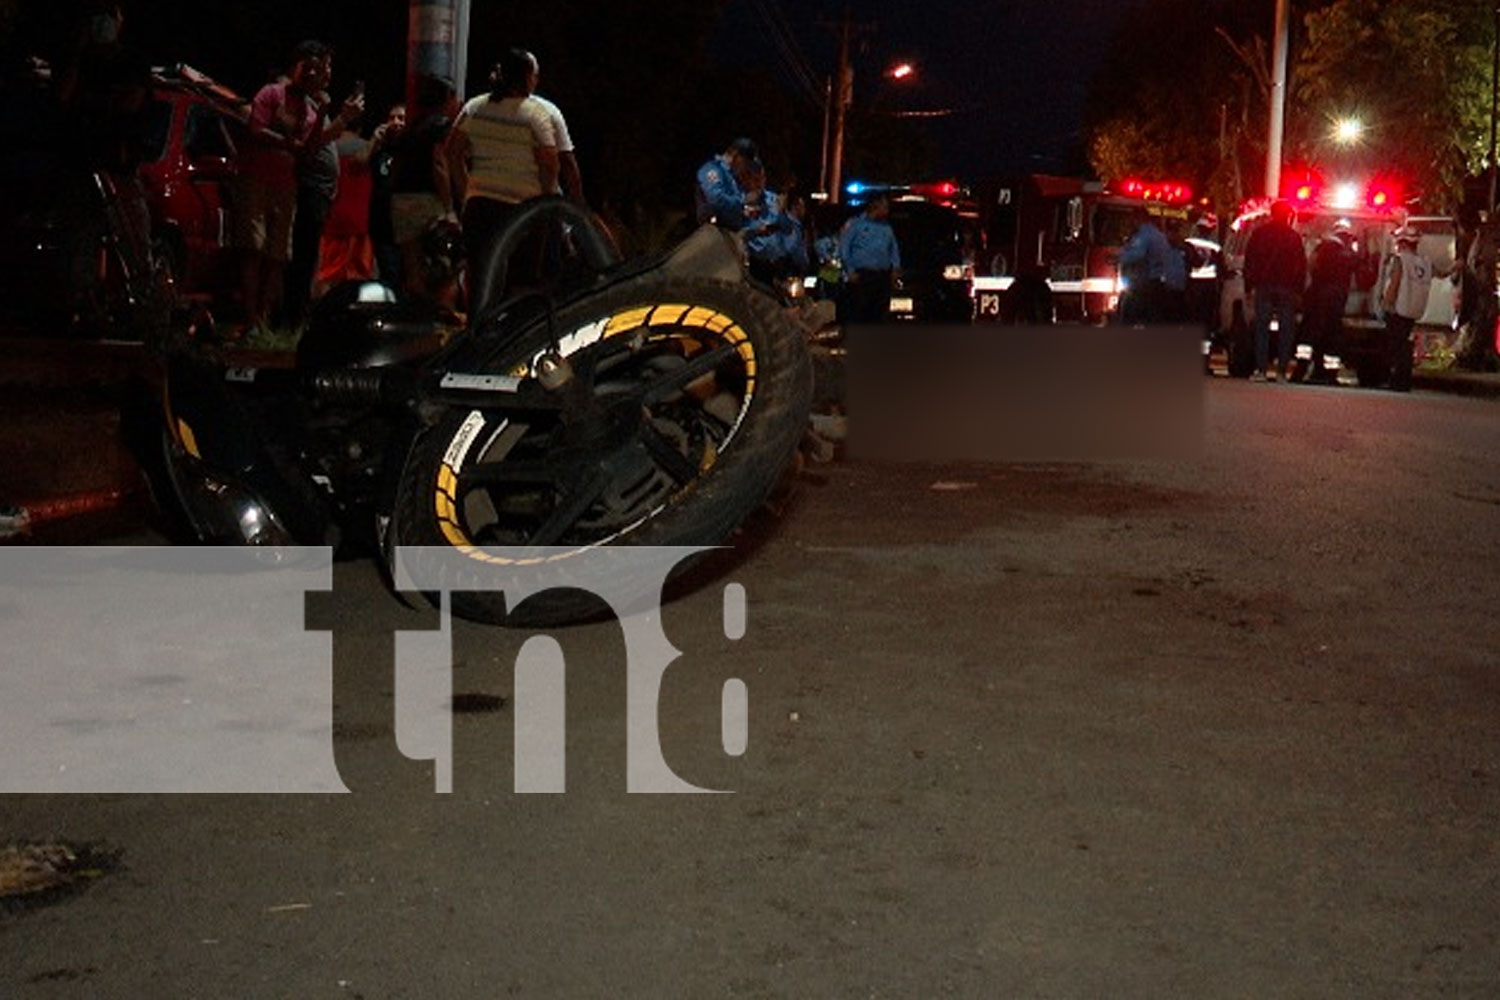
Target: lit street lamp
x,y
1348,131
840,96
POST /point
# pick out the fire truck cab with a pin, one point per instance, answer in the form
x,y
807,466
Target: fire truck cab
x,y
1052,244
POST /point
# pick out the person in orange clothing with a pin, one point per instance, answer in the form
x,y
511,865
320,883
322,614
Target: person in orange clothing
x,y
347,251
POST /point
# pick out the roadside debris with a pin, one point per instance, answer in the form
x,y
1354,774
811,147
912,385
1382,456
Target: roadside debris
x,y
28,871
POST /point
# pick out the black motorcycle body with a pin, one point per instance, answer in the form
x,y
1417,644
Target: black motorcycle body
x,y
655,403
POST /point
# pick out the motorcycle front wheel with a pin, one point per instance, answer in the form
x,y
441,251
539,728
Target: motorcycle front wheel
x,y
686,402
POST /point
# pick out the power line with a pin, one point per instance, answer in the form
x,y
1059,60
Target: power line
x,y
790,51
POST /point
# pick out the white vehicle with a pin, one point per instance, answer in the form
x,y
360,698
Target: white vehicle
x,y
1362,349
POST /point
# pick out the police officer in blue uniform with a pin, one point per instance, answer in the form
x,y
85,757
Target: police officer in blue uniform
x,y
871,261
720,194
766,228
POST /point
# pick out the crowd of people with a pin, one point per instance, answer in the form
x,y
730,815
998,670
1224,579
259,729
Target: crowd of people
x,y
781,242
319,196
318,204
1280,276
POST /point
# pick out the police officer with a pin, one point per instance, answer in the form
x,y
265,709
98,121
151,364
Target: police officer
x,y
871,261
765,226
720,194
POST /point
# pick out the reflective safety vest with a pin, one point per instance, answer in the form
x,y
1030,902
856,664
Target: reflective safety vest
x,y
1415,284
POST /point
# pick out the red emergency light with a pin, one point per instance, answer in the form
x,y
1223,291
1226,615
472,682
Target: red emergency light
x,y
1306,190
1384,194
936,190
1170,192
1302,187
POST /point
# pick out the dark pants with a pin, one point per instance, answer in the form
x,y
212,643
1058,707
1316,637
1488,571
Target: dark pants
x,y
1280,304
388,263
867,298
1324,326
537,256
1144,302
307,241
1398,350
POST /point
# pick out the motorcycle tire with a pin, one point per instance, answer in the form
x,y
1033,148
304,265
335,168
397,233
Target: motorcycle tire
x,y
681,469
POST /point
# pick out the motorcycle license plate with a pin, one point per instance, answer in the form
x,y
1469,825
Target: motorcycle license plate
x,y
901,304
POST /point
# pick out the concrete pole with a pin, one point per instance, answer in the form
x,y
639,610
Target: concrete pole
x,y
827,115
843,96
437,43
1278,98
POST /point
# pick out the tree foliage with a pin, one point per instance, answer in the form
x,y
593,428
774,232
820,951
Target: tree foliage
x,y
1185,92
1174,98
1417,74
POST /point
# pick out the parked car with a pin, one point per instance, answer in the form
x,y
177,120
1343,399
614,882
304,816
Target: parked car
x,y
72,239
195,128
936,241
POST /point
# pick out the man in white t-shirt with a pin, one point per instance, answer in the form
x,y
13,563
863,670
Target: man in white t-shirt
x,y
505,147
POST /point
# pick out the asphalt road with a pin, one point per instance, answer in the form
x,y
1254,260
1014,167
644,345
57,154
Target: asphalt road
x,y
1216,728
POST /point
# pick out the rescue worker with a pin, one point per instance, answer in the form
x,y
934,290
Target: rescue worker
x,y
1145,264
1275,271
720,194
1406,282
1330,272
871,260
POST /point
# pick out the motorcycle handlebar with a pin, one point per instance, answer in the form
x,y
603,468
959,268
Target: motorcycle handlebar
x,y
490,275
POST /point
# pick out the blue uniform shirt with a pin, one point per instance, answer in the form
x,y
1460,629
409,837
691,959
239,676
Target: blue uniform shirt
x,y
765,229
866,244
1148,255
719,197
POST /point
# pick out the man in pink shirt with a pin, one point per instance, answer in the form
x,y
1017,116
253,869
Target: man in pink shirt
x,y
285,123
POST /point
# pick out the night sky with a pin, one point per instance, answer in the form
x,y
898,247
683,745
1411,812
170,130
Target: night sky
x,y
1013,73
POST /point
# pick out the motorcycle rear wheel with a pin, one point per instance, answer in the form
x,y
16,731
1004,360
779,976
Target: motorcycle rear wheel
x,y
698,393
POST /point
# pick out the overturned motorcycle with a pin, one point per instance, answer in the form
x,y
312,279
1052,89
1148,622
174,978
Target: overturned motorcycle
x,y
655,403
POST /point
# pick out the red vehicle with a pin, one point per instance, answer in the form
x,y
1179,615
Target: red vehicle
x,y
1052,244
195,128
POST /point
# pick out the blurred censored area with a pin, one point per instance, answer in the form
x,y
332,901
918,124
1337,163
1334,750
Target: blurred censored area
x,y
1047,393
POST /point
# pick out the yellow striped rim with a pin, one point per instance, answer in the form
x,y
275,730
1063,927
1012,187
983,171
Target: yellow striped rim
x,y
671,314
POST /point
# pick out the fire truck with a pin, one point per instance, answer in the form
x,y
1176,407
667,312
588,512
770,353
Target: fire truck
x,y
1372,210
1052,244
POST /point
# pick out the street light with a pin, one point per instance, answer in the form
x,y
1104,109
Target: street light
x,y
840,96
1348,131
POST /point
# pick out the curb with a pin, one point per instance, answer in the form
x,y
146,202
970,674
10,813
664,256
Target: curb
x,y
1476,385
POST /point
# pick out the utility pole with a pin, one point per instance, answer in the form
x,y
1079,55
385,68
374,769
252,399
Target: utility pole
x,y
843,97
823,156
437,43
1278,98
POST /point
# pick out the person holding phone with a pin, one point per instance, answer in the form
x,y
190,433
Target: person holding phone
x,y
285,121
